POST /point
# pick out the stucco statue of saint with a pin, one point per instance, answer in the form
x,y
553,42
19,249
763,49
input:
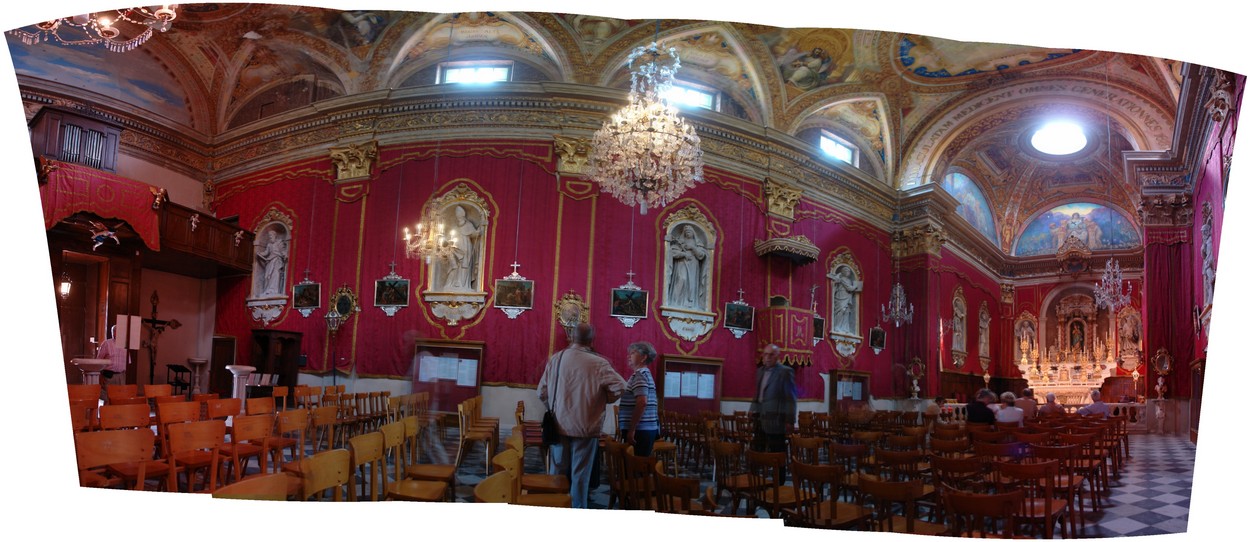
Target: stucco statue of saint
x,y
959,323
271,259
688,257
983,335
462,262
844,289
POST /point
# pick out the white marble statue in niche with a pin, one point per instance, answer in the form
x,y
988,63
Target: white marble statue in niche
x,y
689,272
846,290
1208,255
269,271
460,271
959,326
983,332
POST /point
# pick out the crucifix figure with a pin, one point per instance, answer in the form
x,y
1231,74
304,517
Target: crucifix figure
x,y
155,328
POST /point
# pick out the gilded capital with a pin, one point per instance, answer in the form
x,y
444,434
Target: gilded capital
x,y
922,239
1007,294
1174,209
354,161
573,154
782,198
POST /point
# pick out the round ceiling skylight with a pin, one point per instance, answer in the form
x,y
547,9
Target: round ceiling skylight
x,y
1059,138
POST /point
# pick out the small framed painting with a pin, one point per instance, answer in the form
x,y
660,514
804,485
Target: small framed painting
x,y
305,297
629,303
739,316
514,294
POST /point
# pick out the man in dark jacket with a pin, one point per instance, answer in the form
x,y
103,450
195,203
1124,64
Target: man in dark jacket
x,y
979,410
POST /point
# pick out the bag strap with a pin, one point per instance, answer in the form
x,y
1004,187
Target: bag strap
x,y
554,387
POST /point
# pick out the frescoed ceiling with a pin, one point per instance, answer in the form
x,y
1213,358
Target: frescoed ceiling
x,y
918,107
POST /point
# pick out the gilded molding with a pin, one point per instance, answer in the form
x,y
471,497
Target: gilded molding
x,y
1007,295
782,198
573,154
355,161
922,239
1175,209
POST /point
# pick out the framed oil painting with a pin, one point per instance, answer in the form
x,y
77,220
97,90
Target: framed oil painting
x,y
514,294
305,297
629,303
390,294
739,316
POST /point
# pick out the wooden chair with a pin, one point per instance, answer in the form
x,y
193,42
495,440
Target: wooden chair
x,y
638,482
1070,482
530,483
817,504
281,397
195,446
809,449
249,437
289,432
730,473
1090,463
121,391
84,392
98,450
1038,482
405,489
510,461
953,448
414,469
330,470
681,495
324,427
766,474
469,435
170,414
853,458
962,473
981,515
886,496
265,487
367,456
132,416
496,488
614,452
157,390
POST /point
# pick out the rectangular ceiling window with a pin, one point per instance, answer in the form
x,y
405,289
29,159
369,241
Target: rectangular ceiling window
x,y
691,96
838,148
475,72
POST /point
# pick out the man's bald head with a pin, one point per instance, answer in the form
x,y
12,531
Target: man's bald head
x,y
584,334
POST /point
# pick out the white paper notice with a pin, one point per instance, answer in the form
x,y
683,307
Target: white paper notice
x,y
857,391
429,369
447,368
707,386
689,384
844,389
672,385
466,374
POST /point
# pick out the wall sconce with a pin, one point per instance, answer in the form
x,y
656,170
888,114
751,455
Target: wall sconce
x,y
65,285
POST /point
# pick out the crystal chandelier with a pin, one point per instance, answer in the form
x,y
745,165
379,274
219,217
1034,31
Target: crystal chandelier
x,y
1110,292
431,240
117,30
900,310
645,153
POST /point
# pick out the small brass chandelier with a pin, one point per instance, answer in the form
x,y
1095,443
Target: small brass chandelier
x,y
645,154
118,30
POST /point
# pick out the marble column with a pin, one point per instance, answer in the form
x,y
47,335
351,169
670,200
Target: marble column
x,y
239,390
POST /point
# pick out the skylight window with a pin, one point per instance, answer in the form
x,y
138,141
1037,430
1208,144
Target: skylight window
x,y
838,148
684,95
476,73
1059,138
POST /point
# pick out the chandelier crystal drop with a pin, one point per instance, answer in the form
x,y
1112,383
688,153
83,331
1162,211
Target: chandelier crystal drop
x,y
431,240
900,310
1112,292
645,154
118,30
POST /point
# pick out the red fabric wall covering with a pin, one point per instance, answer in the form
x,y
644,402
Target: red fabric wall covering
x,y
977,288
572,238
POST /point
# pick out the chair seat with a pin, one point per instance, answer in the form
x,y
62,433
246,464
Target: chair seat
x,y
151,469
430,472
550,500
1038,509
738,482
899,524
416,490
837,514
242,449
784,496
545,483
95,479
194,458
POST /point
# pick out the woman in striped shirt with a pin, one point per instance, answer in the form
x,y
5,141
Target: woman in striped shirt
x,y
639,419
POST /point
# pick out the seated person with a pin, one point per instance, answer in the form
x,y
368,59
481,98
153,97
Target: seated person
x,y
1096,408
979,410
1027,404
1051,408
1009,413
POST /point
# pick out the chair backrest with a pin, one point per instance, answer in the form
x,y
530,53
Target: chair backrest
x,y
99,448
158,390
764,472
1037,480
675,495
260,405
727,459
265,487
204,397
811,484
220,409
964,473
885,495
125,416
328,470
899,465
980,515
495,488
324,419
122,391
139,400
366,454
614,466
253,427
1043,437
638,484
948,448
84,392
393,443
999,451
808,449
176,412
